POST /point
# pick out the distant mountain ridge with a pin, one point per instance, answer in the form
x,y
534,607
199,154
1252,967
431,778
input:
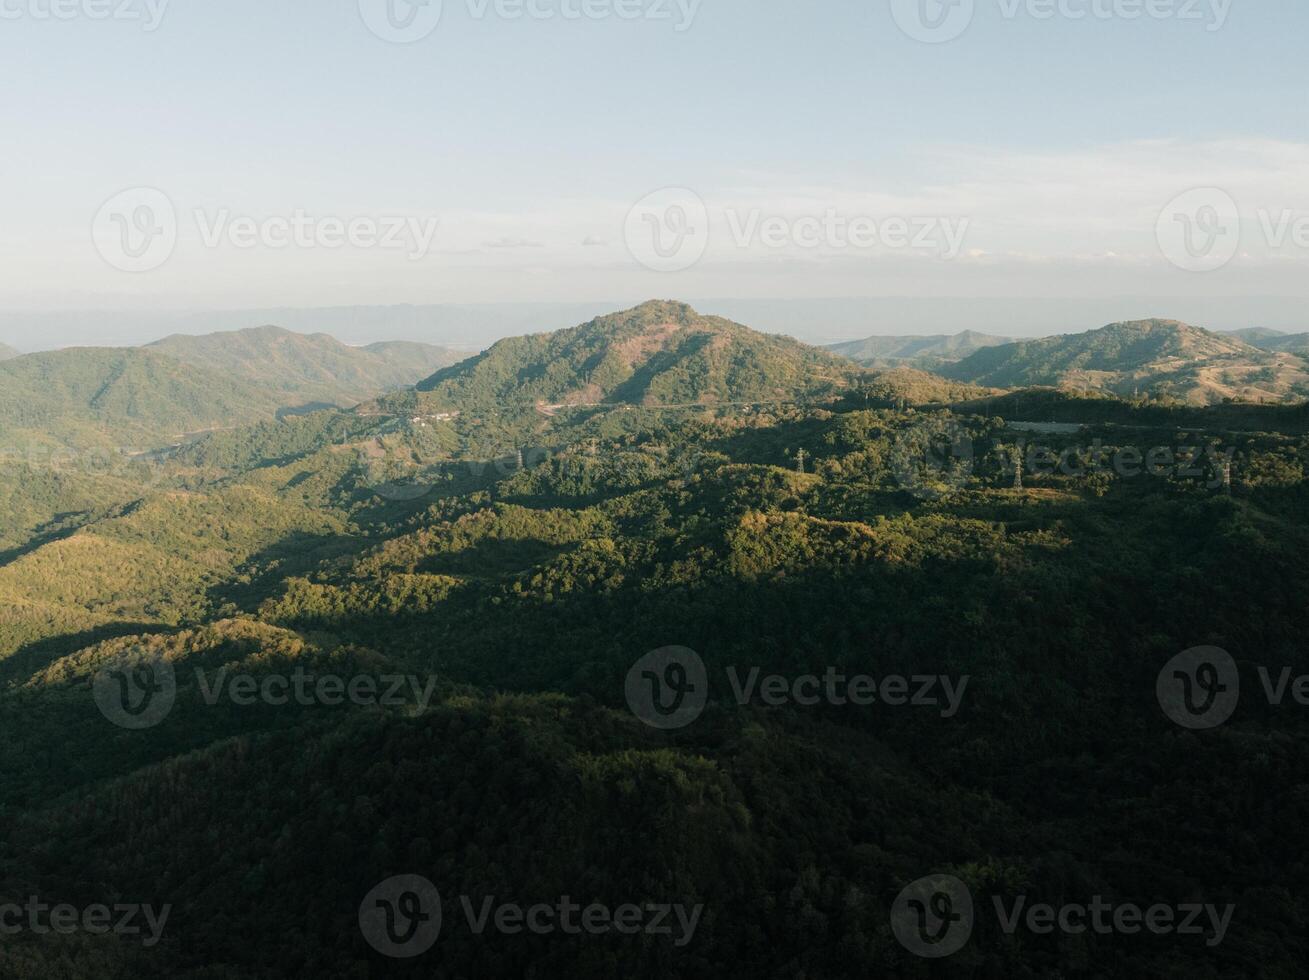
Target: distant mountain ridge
x,y
1254,335
928,350
145,397
1164,357
1277,340
657,354
96,396
311,367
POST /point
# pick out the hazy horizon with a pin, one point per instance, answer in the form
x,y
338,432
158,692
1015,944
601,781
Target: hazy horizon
x,y
472,327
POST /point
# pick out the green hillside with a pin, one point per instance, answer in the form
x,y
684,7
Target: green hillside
x,y
524,593
1161,357
309,367
659,353
925,351
124,397
512,569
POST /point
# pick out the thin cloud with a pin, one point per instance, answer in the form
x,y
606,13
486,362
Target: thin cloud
x,y
513,243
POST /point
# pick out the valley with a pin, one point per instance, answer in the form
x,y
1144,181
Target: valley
x,y
783,514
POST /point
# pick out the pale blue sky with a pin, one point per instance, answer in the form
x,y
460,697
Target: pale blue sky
x,y
1059,141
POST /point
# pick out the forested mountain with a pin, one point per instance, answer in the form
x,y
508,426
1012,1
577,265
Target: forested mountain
x,y
926,351
660,353
7,352
126,397
143,398
1161,357
517,564
309,367
1295,343
1255,336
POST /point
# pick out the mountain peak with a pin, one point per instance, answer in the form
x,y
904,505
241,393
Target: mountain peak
x,y
1169,337
1152,326
655,314
660,353
662,309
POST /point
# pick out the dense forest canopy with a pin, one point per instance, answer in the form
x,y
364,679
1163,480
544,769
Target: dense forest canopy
x,y
411,645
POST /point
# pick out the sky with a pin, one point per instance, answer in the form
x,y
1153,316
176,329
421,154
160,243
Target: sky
x,y
1070,156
